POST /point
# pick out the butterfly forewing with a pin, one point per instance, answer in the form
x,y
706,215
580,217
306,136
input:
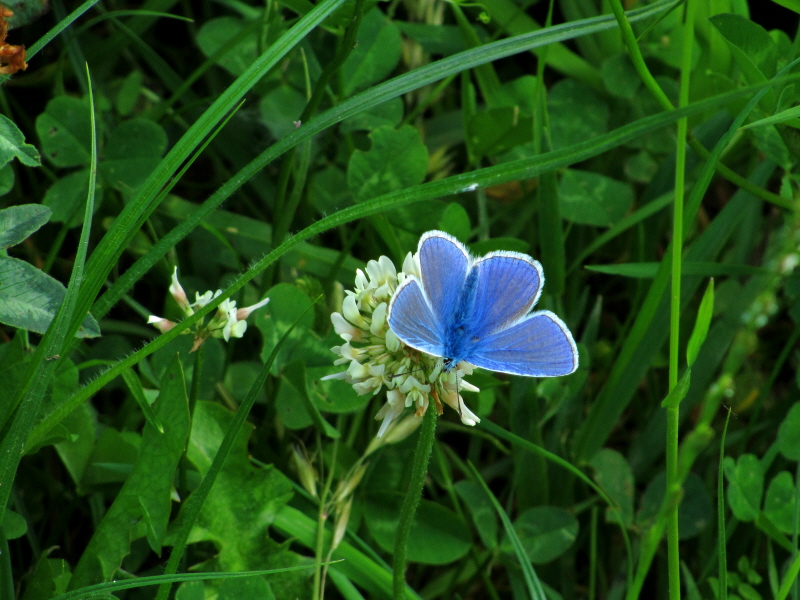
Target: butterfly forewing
x,y
538,346
412,319
444,263
508,286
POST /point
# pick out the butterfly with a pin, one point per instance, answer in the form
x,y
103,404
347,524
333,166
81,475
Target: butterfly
x,y
478,310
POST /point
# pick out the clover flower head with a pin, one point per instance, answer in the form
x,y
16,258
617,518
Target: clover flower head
x,y
228,321
377,359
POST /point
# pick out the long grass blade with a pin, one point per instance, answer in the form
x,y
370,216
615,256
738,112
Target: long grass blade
x,y
535,589
58,334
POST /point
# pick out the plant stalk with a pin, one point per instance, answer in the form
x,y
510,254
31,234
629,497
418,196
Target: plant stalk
x,y
673,411
419,468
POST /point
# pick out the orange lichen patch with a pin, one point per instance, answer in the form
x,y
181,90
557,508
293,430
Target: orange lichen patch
x,y
12,58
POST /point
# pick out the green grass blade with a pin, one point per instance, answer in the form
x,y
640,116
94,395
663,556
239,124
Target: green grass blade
x,y
520,169
554,458
701,325
144,203
630,366
54,340
358,567
112,586
535,590
137,391
510,171
722,541
50,35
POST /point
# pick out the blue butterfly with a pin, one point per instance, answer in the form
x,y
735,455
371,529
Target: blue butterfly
x,y
478,310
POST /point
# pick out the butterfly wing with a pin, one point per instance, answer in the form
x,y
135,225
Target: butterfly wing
x,y
412,320
444,262
507,287
538,346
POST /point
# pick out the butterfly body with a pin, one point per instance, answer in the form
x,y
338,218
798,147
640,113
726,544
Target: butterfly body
x,y
478,310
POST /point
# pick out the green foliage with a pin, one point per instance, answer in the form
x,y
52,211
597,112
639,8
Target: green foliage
x,y
271,151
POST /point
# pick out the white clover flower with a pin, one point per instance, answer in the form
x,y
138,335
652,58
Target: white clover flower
x,y
377,359
177,292
226,323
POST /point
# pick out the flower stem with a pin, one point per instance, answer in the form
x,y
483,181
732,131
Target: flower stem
x,y
418,470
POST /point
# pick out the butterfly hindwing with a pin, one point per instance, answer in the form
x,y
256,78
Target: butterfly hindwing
x,y
412,319
444,263
508,286
538,346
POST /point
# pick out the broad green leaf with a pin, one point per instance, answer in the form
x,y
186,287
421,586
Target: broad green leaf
x,y
481,510
613,473
333,395
438,535
397,160
142,507
590,198
50,578
779,504
745,486
281,109
241,505
29,298
14,525
246,588
27,11
546,532
789,434
287,304
65,132
19,222
497,130
113,457
435,38
376,54
6,179
388,114
12,144
219,33
694,514
455,221
76,450
129,92
701,324
132,152
641,167
67,196
577,113
328,190
753,48
620,77
295,375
